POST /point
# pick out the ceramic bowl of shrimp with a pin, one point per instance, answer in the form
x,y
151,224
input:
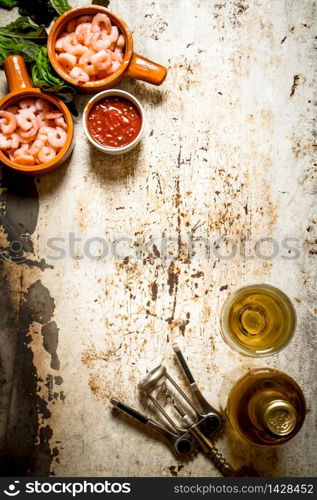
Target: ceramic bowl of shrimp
x,y
36,129
92,49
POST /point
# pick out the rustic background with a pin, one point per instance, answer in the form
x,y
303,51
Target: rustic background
x,y
228,152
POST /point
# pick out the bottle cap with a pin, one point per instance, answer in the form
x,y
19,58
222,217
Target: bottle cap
x,y
279,417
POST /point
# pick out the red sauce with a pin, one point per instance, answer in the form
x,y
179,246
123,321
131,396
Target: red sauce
x,y
114,122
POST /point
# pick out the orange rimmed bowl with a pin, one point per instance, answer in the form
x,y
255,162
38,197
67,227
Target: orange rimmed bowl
x,y
20,87
133,65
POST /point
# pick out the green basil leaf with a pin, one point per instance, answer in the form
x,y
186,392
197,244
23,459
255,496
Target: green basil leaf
x,y
8,4
44,77
103,3
21,27
60,6
12,46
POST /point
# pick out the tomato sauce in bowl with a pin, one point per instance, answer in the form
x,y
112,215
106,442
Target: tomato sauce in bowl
x,y
114,121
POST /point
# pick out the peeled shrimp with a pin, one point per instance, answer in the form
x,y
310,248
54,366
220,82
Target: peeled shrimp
x,y
25,140
118,55
102,60
5,142
60,122
57,137
23,156
120,42
71,25
114,35
14,140
27,104
8,122
115,65
84,19
87,65
52,115
47,153
22,150
68,61
72,45
42,105
26,159
91,49
59,47
39,134
100,20
31,131
36,146
26,119
79,74
83,33
98,42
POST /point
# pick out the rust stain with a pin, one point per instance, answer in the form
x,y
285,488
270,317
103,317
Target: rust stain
x,y
173,276
154,290
175,469
294,85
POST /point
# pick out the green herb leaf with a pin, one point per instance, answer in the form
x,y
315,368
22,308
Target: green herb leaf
x,y
60,6
40,11
22,28
44,77
103,3
8,4
17,46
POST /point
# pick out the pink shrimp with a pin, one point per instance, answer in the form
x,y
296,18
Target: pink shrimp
x,y
60,122
52,115
36,146
25,134
59,43
28,104
26,119
115,66
5,142
22,150
99,42
8,122
71,25
25,140
42,105
47,153
57,137
118,55
41,119
79,75
83,33
10,153
102,60
120,42
72,45
87,65
84,19
100,20
26,159
15,140
67,61
114,35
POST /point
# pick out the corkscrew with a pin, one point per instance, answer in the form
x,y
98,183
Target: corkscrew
x,y
190,427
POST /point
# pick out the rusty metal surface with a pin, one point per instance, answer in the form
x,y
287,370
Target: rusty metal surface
x,y
228,153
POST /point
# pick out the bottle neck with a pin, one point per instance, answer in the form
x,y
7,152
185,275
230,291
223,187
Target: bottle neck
x,y
273,413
